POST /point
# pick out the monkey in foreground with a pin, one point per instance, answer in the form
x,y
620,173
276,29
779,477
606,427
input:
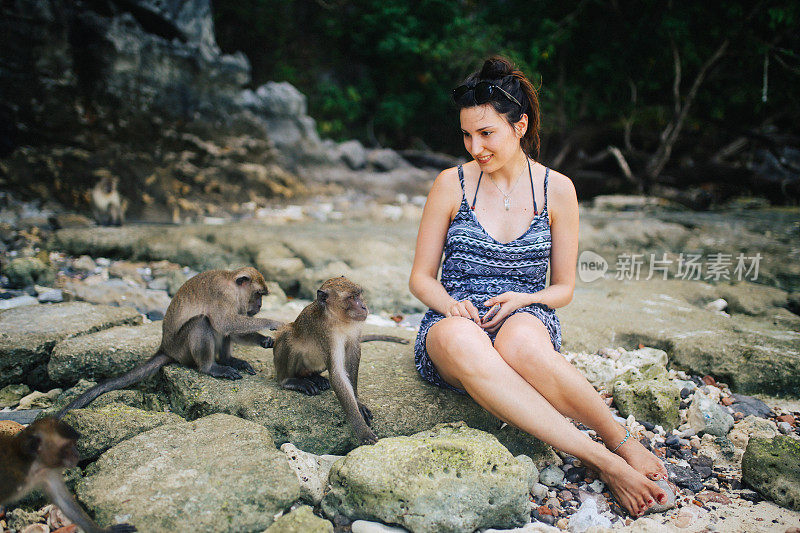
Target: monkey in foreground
x,y
327,335
208,312
34,458
108,205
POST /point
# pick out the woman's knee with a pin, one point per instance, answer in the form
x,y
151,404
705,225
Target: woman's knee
x,y
459,344
524,341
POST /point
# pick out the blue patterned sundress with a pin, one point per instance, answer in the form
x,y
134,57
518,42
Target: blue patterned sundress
x,y
478,267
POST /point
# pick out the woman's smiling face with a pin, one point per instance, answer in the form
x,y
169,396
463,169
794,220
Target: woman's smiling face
x,y
488,137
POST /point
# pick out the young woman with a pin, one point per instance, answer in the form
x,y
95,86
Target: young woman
x,y
499,219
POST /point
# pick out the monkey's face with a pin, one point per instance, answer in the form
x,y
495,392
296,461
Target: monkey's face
x,y
252,287
52,442
344,299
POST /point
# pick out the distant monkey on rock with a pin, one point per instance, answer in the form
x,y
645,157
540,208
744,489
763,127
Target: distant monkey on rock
x,y
108,206
208,313
327,335
34,458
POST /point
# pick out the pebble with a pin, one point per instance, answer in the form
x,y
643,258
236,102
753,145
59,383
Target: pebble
x,y
539,491
551,476
685,477
649,426
673,441
586,517
576,474
710,496
597,486
685,392
565,495
785,428
51,296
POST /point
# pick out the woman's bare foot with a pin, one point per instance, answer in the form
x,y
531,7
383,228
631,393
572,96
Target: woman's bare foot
x,y
642,460
632,490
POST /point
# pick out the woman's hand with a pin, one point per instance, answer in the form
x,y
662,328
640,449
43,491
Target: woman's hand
x,y
509,302
466,309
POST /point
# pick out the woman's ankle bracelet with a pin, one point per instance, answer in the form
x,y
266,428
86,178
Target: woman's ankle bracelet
x,y
627,435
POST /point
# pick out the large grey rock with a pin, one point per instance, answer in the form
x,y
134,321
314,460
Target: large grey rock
x,y
648,395
28,334
750,353
119,293
772,467
401,401
104,354
220,473
450,478
107,426
353,154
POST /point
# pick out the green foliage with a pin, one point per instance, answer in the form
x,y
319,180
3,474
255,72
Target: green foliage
x,y
385,68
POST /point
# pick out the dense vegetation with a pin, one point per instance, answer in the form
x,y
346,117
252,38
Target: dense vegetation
x,y
382,70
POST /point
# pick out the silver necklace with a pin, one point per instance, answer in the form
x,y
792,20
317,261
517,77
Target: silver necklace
x,y
507,196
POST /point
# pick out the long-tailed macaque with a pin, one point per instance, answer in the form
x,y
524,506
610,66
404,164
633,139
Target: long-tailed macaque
x,y
35,458
208,312
327,335
107,204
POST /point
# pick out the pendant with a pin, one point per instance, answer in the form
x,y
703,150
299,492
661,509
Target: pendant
x,y
507,203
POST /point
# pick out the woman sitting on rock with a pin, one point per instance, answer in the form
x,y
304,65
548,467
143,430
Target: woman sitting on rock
x,y
498,220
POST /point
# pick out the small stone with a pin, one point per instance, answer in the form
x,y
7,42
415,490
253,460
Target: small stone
x,y
685,392
710,496
785,428
672,441
709,380
648,425
587,517
789,419
686,516
565,495
551,476
576,474
50,296
155,315
726,401
539,491
597,486
563,523
748,405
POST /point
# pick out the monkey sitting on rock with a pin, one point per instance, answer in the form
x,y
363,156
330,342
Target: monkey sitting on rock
x,y
107,204
327,335
34,458
208,312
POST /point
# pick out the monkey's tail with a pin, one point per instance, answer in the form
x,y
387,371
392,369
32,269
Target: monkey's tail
x,y
387,338
143,371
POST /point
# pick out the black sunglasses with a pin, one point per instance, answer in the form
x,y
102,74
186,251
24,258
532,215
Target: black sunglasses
x,y
481,92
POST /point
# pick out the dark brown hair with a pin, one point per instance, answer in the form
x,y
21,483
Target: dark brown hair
x,y
501,72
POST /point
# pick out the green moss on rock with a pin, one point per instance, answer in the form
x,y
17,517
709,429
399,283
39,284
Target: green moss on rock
x,y
772,467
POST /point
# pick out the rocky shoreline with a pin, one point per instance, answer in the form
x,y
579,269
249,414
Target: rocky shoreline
x,y
663,357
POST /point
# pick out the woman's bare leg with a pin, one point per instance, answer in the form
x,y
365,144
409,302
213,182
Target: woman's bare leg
x,y
524,343
465,358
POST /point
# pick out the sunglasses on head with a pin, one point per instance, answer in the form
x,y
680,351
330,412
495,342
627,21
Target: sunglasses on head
x,y
481,92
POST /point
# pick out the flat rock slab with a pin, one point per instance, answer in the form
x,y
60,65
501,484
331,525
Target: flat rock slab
x,y
219,473
103,354
750,353
28,334
111,424
401,401
449,479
